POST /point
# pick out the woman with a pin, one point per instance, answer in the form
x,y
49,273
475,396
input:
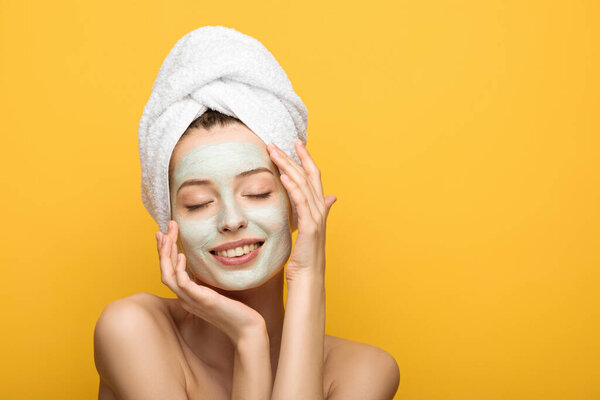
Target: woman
x,y
226,334
212,343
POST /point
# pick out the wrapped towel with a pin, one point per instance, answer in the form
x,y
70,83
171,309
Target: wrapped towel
x,y
222,69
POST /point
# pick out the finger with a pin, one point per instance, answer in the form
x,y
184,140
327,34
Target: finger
x,y
300,200
173,234
313,176
196,294
159,242
182,279
306,170
310,167
329,200
313,184
298,175
166,267
275,151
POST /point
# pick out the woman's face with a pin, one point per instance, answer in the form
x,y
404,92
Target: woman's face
x,y
225,188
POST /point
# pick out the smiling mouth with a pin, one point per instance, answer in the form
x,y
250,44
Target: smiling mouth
x,y
237,252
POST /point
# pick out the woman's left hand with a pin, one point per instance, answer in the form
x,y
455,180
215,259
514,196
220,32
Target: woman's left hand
x,y
303,184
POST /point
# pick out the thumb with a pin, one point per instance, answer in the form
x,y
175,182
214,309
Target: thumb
x,y
329,200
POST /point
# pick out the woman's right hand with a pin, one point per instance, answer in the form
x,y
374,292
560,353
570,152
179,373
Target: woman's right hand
x,y
232,317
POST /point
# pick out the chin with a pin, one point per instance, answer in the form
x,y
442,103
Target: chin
x,y
242,280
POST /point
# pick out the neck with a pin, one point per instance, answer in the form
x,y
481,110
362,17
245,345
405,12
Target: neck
x,y
211,344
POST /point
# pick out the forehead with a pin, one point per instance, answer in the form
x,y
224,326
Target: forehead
x,y
220,160
217,134
219,155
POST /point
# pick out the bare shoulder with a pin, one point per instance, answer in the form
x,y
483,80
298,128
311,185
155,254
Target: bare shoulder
x,y
134,354
131,313
359,370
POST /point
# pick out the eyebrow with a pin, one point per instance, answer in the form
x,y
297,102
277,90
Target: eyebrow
x,y
200,182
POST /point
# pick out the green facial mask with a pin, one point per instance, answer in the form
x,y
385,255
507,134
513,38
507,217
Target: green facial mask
x,y
231,206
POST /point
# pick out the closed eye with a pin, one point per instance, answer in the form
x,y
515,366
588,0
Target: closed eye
x,y
192,208
254,196
260,196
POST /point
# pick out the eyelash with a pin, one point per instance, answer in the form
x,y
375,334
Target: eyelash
x,y
256,196
260,196
192,208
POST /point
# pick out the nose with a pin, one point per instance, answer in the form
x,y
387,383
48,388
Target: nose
x,y
232,219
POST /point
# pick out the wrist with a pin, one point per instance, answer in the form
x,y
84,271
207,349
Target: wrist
x,y
308,293
301,278
251,336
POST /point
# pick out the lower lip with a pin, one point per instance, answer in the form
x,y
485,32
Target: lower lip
x,y
238,260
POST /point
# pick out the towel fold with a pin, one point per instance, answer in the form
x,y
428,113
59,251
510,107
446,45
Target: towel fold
x,y
222,69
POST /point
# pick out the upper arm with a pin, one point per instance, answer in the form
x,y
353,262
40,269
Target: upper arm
x,y
133,356
364,372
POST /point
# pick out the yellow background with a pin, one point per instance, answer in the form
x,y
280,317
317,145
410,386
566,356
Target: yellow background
x,y
461,138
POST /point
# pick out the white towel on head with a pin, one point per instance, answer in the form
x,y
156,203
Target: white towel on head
x,y
222,69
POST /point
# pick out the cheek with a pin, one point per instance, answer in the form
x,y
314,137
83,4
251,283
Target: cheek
x,y
195,234
272,218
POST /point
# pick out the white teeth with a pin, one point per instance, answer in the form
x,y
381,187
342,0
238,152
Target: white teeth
x,y
238,251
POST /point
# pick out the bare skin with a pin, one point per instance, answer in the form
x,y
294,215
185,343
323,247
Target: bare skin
x,y
351,369
211,343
